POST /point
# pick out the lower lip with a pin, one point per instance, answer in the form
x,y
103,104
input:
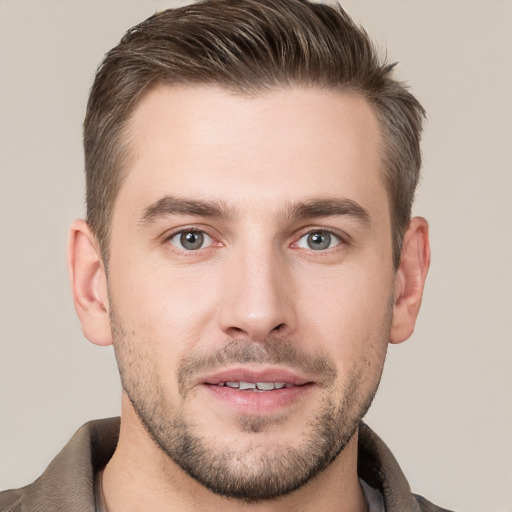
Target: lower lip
x,y
258,402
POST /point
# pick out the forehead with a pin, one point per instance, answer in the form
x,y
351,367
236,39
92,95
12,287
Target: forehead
x,y
282,146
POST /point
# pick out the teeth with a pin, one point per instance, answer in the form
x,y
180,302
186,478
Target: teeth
x,y
261,386
247,385
265,386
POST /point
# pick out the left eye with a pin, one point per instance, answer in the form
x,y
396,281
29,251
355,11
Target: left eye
x,y
318,240
191,240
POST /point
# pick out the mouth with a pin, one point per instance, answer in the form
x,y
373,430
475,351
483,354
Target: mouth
x,y
255,386
246,378
256,392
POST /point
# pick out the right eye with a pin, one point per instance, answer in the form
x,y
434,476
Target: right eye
x,y
191,240
319,240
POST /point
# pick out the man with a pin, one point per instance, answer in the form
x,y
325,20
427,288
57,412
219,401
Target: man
x,y
249,252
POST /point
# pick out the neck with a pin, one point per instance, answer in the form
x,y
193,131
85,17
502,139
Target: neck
x,y
140,477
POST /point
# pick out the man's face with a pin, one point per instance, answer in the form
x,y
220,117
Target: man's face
x,y
251,280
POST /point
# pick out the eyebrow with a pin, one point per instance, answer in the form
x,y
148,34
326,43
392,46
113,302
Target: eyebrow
x,y
314,208
171,205
331,207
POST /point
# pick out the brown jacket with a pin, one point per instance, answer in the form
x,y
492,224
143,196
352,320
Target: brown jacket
x,y
67,485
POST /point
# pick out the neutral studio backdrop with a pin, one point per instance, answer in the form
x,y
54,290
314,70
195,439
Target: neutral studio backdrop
x,y
444,406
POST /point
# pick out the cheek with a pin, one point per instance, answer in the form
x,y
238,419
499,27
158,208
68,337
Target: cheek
x,y
350,313
165,307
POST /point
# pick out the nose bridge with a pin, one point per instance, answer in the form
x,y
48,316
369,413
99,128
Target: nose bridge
x,y
259,301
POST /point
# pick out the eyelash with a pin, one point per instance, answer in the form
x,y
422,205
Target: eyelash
x,y
191,230
341,239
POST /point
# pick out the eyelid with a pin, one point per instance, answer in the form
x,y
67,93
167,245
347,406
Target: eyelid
x,y
342,237
190,228
168,234
207,240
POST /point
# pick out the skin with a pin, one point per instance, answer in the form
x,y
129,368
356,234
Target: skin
x,y
255,285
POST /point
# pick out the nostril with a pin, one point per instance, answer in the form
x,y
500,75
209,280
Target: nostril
x,y
278,327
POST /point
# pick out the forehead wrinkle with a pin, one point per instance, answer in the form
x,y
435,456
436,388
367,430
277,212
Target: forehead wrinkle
x,y
326,207
174,206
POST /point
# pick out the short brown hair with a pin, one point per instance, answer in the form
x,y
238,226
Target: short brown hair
x,y
249,47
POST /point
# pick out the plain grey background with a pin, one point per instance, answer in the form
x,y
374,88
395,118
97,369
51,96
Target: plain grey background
x,y
444,406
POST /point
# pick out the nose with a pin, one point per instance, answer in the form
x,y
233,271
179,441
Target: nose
x,y
258,299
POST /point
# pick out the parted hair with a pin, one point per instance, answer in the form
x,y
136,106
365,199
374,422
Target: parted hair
x,y
248,47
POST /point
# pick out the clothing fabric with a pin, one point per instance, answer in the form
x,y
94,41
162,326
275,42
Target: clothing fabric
x,y
67,485
373,498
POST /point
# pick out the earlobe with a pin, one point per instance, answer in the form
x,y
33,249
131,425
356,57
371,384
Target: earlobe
x,y
410,280
88,283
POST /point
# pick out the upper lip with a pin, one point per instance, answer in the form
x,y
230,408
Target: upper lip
x,y
248,374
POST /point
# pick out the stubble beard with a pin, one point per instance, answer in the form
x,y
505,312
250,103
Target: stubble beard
x,y
259,471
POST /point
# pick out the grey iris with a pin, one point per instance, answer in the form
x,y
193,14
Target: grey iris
x,y
192,240
319,240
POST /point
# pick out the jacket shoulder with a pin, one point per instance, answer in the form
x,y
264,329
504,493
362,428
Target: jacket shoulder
x,y
427,506
10,501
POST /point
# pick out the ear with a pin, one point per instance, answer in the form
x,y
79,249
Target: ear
x,y
410,279
88,283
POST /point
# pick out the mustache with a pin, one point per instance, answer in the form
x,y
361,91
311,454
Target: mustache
x,y
274,351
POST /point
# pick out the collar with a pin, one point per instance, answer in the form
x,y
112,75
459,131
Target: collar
x,y
68,482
